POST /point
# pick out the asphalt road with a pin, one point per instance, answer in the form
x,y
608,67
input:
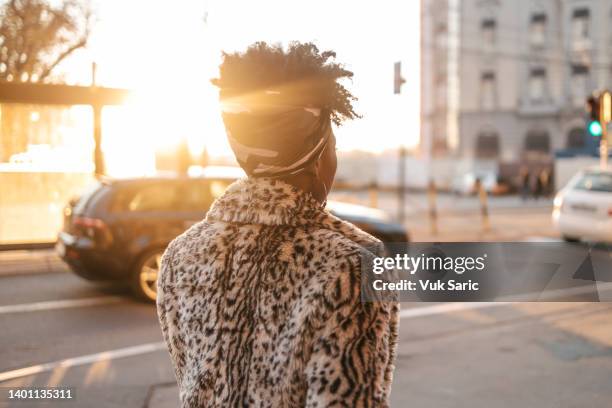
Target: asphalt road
x,y
57,330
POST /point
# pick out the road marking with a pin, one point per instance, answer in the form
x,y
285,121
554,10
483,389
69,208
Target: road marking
x,y
153,347
83,360
60,304
442,308
446,308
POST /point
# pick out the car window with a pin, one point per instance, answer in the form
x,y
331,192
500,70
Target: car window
x,y
184,196
595,182
153,197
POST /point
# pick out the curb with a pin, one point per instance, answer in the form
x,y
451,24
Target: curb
x,y
27,246
30,262
163,395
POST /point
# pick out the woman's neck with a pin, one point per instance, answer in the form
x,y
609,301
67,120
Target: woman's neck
x,y
309,184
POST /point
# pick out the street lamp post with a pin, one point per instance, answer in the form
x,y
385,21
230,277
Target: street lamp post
x,y
402,183
606,118
398,81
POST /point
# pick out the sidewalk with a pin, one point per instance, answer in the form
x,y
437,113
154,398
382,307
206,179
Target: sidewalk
x,y
504,226
163,396
418,203
30,262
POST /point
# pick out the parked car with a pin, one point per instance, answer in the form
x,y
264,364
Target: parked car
x,y
118,229
583,209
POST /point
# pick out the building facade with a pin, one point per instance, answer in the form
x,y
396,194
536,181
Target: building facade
x,y
439,76
525,69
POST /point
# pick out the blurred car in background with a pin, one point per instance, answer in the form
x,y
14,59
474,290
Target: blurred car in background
x,y
117,230
375,222
583,208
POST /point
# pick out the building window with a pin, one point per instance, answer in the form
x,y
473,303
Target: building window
x,y
576,138
537,84
537,29
441,92
580,79
441,27
487,89
487,145
537,141
488,27
581,27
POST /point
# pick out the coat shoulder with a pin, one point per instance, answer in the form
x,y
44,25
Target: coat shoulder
x,y
184,249
339,265
341,245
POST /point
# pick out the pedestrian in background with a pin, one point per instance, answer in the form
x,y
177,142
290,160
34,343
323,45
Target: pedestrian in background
x,y
538,187
545,182
524,182
260,303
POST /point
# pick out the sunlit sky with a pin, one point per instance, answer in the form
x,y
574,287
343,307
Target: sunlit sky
x,y
168,50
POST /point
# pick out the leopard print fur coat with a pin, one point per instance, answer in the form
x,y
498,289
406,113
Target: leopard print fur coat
x,y
260,306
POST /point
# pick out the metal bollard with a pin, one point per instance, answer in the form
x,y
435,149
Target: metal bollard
x,y
433,210
373,194
484,206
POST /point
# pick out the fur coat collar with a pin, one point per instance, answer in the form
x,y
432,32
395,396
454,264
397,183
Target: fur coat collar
x,y
274,202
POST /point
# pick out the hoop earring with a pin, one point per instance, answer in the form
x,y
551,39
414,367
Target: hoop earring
x,y
324,202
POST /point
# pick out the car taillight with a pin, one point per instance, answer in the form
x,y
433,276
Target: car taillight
x,y
610,212
88,222
93,228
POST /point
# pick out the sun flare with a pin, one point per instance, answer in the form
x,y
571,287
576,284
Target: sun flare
x,y
157,120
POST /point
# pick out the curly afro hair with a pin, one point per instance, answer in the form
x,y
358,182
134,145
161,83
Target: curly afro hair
x,y
301,71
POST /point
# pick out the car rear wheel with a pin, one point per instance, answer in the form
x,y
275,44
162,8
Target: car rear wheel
x,y
144,279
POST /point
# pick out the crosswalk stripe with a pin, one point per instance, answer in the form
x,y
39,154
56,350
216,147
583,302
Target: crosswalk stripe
x,y
83,360
59,304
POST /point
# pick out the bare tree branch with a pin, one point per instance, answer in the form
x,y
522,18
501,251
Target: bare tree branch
x,y
36,36
60,58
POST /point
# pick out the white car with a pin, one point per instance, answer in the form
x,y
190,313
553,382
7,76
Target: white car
x,y
583,208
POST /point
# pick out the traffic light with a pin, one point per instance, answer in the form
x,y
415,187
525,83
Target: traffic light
x,y
595,129
599,107
593,108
